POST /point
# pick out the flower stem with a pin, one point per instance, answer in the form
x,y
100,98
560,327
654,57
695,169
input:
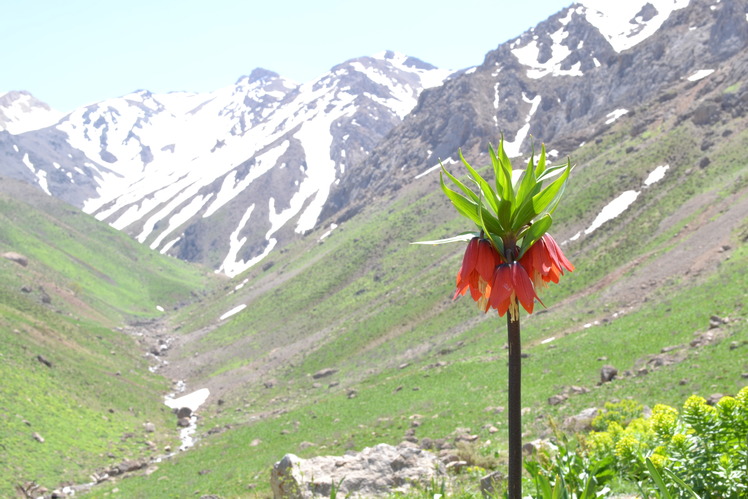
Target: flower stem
x,y
514,412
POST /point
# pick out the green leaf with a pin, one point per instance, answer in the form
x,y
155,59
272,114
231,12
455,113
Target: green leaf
x,y
505,215
535,232
506,168
658,480
527,185
554,202
502,170
542,484
559,491
684,486
489,224
551,171
547,199
485,188
540,167
486,232
523,215
498,243
466,207
465,236
492,223
472,195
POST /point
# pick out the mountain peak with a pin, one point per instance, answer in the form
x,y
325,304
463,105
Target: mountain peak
x,y
260,74
22,112
400,59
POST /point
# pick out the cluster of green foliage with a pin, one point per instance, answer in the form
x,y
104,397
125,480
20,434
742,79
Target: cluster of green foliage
x,y
413,312
621,412
372,303
76,391
700,451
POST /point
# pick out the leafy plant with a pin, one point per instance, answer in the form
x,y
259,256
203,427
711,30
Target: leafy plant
x,y
704,447
621,412
509,257
567,471
664,490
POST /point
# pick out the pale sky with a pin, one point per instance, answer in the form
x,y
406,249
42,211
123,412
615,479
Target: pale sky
x,y
75,52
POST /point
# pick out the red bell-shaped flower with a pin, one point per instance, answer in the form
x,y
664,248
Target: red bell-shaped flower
x,y
510,285
544,261
478,265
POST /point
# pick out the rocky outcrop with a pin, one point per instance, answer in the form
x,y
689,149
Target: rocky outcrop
x,y
375,471
16,257
570,101
608,373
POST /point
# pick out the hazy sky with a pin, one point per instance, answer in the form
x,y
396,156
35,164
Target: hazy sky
x,y
74,52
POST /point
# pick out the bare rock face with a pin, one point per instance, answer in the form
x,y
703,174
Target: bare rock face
x,y
16,257
582,421
375,471
608,373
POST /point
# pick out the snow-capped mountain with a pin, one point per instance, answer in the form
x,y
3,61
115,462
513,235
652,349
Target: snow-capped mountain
x,y
21,112
223,177
561,83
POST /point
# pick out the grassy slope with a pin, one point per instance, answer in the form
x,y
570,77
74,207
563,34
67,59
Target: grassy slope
x,y
372,302
83,278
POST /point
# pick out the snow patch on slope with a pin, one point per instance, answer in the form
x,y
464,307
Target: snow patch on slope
x,y
622,23
232,188
700,74
231,265
20,112
529,55
513,148
623,201
614,115
613,209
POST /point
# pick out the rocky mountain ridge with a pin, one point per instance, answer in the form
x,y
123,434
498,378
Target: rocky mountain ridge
x,y
21,112
561,83
371,347
225,178
184,173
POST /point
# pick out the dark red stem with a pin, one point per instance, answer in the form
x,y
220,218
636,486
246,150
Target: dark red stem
x,y
514,412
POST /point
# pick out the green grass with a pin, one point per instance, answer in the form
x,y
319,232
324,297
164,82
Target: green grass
x,y
475,378
83,278
371,331
94,262
367,302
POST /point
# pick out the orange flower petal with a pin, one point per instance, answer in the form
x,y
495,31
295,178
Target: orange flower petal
x,y
488,259
523,287
502,290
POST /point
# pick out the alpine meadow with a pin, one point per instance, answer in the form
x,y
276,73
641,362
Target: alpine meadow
x,y
218,295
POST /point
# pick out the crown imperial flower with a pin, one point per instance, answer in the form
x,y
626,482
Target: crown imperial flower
x,y
545,261
511,285
477,270
508,257
511,254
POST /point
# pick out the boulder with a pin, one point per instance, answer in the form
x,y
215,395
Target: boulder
x,y
716,321
557,399
580,422
608,373
17,258
714,398
381,470
323,373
